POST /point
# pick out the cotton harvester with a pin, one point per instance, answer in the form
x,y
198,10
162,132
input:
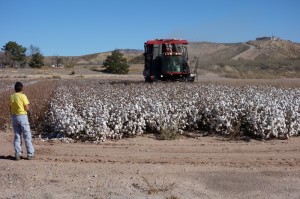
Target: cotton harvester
x,y
167,59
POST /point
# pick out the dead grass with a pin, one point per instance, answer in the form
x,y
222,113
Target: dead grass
x,y
167,134
21,76
72,73
96,68
136,69
172,197
153,188
256,69
56,77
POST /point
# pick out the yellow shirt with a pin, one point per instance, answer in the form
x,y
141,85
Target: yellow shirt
x,y
17,103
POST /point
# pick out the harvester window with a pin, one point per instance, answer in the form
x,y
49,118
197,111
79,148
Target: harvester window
x,y
148,48
156,51
167,48
174,48
173,63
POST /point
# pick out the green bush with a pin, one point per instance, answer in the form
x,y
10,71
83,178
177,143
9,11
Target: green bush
x,y
37,60
116,63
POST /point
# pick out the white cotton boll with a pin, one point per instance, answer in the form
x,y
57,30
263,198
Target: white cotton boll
x,y
70,130
139,131
228,124
129,109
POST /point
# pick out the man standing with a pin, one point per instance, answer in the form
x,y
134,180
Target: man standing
x,y
19,105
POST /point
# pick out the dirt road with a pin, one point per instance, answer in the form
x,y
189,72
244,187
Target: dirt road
x,y
143,167
247,54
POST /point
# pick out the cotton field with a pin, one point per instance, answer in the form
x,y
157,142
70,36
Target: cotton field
x,y
90,109
100,110
38,92
8,85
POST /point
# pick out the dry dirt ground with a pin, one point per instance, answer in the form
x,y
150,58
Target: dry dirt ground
x,y
143,167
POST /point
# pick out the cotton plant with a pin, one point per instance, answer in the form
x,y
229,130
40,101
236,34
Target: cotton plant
x,y
103,110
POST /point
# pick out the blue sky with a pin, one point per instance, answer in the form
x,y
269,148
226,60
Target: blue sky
x,y
79,27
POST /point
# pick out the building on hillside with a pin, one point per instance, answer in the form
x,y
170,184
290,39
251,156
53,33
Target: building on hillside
x,y
273,38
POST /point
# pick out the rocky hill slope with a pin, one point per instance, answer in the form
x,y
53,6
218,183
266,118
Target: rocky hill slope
x,y
252,59
265,49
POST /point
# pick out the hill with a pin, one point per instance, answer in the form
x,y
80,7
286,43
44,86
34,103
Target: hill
x,y
94,59
252,59
257,50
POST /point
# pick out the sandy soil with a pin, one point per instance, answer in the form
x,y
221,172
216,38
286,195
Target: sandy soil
x,y
143,167
80,72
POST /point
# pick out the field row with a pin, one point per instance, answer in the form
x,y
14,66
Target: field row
x,y
101,110
8,85
38,92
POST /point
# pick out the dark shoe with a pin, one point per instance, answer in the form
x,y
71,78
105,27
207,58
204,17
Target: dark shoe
x,y
30,157
18,157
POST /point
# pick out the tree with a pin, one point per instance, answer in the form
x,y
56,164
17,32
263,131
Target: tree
x,y
33,50
116,63
57,61
3,60
37,59
15,54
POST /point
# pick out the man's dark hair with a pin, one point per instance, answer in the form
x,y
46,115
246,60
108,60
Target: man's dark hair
x,y
18,87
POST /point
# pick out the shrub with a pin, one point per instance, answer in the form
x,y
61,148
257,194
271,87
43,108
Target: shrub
x,y
167,134
37,60
116,63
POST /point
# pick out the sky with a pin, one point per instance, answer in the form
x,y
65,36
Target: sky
x,y
80,27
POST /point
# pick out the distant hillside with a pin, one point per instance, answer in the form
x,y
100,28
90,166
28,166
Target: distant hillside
x,y
279,49
265,49
252,59
208,52
130,51
96,58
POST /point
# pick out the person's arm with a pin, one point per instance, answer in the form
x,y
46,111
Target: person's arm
x,y
26,103
26,107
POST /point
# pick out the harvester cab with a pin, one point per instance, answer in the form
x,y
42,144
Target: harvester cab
x,y
167,59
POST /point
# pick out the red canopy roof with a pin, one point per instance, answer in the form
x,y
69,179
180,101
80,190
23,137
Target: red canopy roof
x,y
167,41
